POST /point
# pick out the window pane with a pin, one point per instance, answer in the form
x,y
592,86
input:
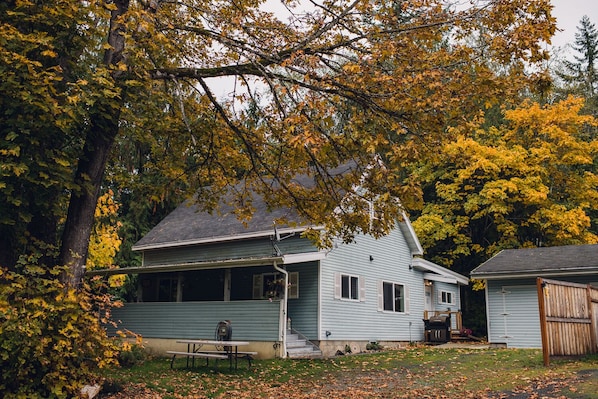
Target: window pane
x,y
354,288
399,298
293,285
388,298
446,297
345,289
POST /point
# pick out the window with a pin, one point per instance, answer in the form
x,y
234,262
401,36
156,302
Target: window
x,y
393,297
160,288
446,298
349,287
271,285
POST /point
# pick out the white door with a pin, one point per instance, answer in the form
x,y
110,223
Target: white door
x,y
429,301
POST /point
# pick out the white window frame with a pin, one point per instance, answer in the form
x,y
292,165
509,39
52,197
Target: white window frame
x,y
338,287
293,289
446,297
406,300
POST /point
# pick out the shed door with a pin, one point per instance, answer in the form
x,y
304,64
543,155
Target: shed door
x,y
514,317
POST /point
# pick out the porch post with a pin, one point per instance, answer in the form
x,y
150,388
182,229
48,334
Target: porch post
x,y
227,284
179,287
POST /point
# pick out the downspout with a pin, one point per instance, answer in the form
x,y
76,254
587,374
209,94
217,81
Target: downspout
x,y
284,308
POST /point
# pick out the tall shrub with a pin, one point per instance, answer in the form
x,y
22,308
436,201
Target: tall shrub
x,y
51,337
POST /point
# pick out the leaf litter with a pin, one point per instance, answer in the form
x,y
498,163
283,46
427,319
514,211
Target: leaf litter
x,y
370,379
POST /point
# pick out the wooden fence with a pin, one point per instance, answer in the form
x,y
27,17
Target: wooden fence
x,y
568,318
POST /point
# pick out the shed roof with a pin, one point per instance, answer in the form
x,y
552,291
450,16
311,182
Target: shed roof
x,y
542,261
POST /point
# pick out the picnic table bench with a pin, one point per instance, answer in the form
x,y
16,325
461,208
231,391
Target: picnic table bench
x,y
230,351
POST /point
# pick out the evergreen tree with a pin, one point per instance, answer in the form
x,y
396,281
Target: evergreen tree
x,y
579,75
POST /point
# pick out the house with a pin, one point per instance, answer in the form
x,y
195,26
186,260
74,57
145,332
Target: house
x,y
281,293
512,309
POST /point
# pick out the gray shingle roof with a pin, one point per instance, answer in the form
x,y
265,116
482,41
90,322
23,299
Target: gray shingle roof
x,y
567,259
187,224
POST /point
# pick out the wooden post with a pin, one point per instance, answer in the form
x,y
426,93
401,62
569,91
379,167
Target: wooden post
x,y
543,321
593,321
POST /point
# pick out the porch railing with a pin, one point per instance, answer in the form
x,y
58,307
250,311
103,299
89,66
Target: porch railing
x,y
456,319
251,320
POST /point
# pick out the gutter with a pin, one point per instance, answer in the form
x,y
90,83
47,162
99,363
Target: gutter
x,y
284,315
228,263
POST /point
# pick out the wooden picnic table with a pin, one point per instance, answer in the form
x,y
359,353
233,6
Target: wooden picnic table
x,y
230,351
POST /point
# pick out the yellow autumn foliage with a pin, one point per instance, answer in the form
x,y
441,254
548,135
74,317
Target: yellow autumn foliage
x,y
105,242
530,181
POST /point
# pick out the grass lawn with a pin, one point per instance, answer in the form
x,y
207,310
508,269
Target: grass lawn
x,y
415,372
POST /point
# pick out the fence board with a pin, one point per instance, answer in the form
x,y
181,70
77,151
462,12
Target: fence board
x,y
568,318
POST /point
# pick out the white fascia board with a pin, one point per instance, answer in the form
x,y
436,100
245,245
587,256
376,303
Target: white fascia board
x,y
303,257
427,266
206,240
410,236
439,278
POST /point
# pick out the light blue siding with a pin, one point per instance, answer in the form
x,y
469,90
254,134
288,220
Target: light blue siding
x,y
303,311
362,320
513,317
242,249
251,320
315,312
451,288
439,286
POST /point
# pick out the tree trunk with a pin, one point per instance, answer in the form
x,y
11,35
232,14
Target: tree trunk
x,y
89,176
104,121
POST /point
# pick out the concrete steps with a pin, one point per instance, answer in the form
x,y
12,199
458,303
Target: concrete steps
x,y
298,347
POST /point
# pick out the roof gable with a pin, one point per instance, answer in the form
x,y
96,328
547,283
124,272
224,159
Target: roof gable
x,y
567,259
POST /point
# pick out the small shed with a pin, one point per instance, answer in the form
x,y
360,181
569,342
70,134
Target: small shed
x,y
512,310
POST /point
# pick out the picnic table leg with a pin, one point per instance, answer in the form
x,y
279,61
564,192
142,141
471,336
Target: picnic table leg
x,y
229,354
236,356
189,347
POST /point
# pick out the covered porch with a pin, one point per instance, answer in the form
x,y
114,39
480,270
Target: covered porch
x,y
187,301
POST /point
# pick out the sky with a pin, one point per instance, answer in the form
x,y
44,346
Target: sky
x,y
568,14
